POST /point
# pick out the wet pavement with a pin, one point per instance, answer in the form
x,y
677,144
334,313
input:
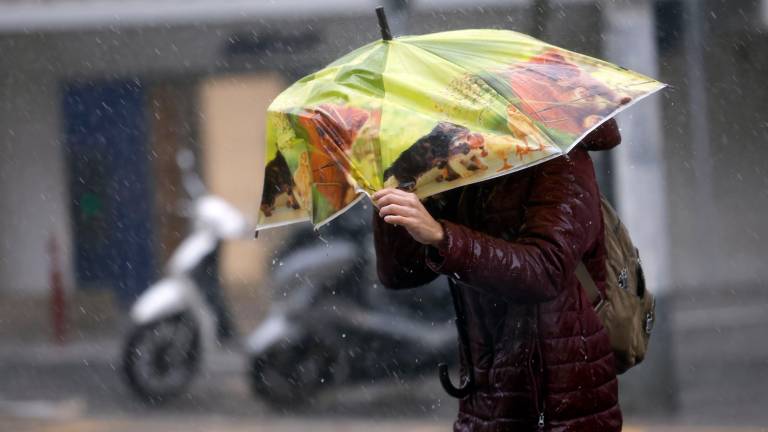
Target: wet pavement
x,y
78,387
721,372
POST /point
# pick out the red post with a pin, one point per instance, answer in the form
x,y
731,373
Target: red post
x,y
57,300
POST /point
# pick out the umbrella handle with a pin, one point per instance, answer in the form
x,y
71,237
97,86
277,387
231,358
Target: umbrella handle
x,y
458,392
468,386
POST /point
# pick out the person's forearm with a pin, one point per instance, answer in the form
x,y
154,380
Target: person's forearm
x,y
510,270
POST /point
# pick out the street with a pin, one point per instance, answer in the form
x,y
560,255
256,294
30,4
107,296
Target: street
x,y
78,387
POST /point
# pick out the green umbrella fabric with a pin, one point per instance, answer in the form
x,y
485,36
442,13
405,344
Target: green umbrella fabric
x,y
430,113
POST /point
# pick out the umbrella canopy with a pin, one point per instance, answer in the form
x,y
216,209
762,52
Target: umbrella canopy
x,y
430,113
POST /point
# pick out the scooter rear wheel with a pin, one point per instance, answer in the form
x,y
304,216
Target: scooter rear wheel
x,y
161,358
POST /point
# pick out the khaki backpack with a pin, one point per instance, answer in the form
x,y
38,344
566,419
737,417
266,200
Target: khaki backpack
x,y
628,309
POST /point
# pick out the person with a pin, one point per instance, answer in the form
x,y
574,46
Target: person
x,y
539,355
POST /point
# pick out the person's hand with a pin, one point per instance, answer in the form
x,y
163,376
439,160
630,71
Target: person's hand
x,y
398,207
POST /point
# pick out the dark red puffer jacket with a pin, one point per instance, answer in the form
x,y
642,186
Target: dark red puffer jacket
x,y
512,244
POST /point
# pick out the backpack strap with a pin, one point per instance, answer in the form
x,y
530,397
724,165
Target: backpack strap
x,y
589,286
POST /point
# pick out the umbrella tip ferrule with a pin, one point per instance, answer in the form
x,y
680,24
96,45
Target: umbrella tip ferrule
x,y
386,34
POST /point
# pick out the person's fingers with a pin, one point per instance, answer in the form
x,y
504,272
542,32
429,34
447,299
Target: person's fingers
x,y
394,199
392,191
397,220
396,209
385,191
409,195
412,199
402,198
378,194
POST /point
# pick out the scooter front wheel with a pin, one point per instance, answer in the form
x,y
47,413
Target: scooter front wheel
x,y
161,358
291,374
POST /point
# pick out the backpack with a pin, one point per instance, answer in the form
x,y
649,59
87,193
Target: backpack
x,y
628,309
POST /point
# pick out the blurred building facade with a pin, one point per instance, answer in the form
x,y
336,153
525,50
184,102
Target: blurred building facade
x,y
96,96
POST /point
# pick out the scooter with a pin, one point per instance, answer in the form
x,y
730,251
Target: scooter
x,y
172,323
331,323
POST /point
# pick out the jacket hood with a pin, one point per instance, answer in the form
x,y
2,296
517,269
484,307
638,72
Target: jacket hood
x,y
604,137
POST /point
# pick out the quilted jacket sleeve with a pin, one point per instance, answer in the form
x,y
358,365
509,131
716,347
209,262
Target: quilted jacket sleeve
x,y
400,260
561,223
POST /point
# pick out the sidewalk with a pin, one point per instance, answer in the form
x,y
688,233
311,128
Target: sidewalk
x,y
96,315
89,314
